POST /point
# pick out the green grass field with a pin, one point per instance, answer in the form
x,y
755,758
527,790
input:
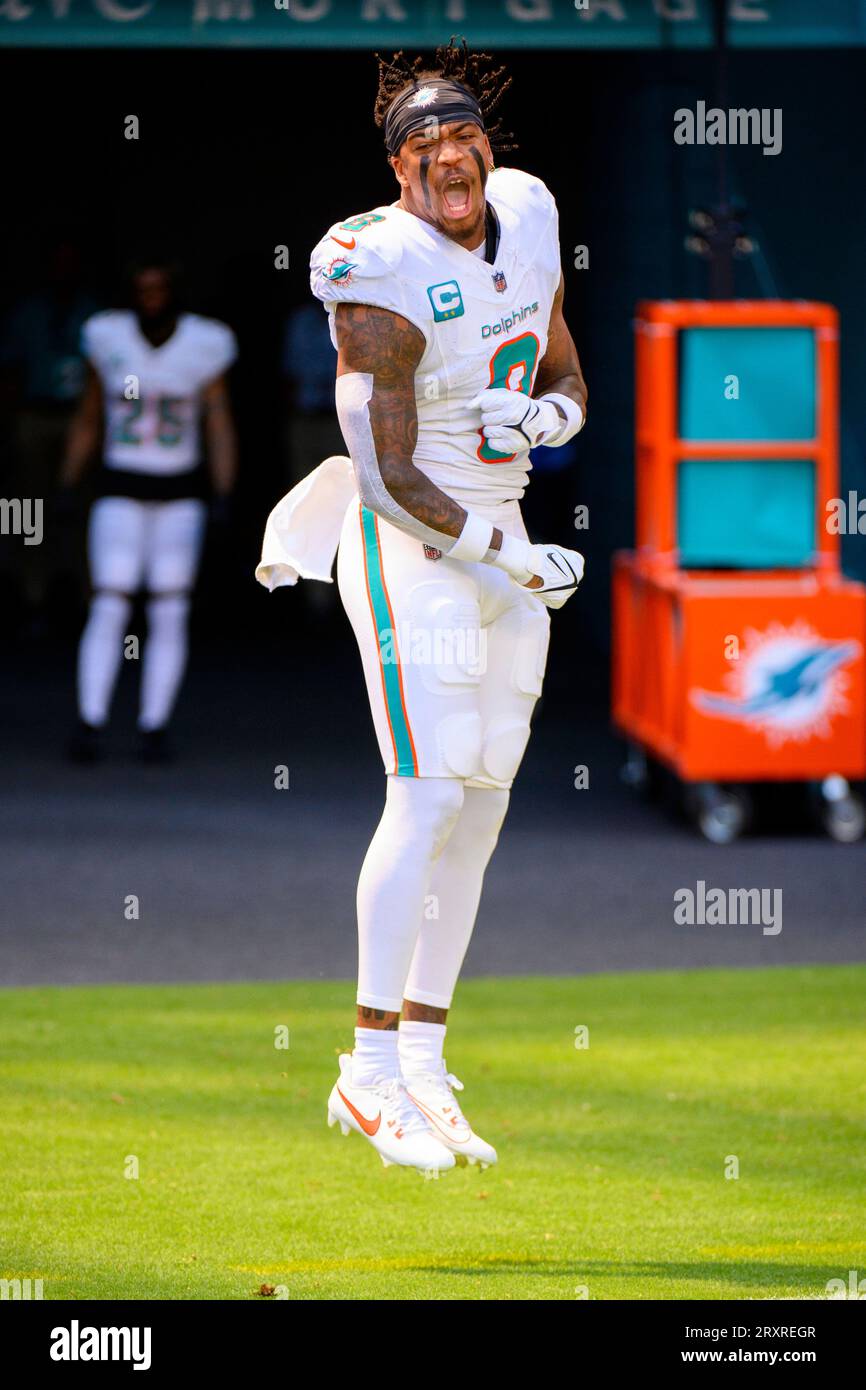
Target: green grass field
x,y
611,1181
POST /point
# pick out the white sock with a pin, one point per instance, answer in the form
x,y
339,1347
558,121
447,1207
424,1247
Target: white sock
x,y
419,815
455,885
100,654
421,1047
164,658
375,1055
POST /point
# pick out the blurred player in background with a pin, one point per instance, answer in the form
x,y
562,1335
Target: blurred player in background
x,y
156,383
454,360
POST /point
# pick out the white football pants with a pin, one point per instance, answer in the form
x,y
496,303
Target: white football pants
x,y
454,657
133,545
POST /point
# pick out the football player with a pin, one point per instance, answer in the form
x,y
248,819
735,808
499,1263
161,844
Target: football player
x,y
454,360
155,376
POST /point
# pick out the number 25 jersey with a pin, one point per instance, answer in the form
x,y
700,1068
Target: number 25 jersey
x,y
153,394
484,324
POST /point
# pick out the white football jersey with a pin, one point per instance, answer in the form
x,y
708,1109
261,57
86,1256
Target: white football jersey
x,y
484,324
152,394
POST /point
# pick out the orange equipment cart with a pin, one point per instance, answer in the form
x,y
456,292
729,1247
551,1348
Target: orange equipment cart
x,y
738,644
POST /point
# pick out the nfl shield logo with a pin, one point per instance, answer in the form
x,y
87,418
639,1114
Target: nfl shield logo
x,y
500,282
432,553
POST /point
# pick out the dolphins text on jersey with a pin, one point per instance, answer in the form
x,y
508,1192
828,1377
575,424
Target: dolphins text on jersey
x,y
477,332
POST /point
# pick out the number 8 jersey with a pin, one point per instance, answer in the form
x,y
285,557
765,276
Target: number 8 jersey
x,y
484,324
152,394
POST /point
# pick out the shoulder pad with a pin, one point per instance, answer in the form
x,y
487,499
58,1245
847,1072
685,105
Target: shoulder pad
x,y
99,327
517,190
369,240
217,341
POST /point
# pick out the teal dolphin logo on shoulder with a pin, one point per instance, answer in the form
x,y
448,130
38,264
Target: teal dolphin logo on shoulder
x,y
340,270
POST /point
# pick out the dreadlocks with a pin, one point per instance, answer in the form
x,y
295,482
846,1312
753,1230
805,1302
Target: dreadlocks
x,y
454,62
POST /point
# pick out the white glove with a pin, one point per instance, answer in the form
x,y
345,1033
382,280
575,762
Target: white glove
x,y
513,422
560,569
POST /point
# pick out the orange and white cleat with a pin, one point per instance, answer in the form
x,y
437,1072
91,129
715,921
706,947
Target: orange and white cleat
x,y
384,1114
433,1093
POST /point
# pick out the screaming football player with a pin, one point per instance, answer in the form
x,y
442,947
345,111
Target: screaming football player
x,y
454,361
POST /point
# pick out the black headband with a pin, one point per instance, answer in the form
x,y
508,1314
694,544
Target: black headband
x,y
437,99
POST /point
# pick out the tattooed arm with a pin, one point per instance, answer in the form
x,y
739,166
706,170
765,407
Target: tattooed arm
x,y
378,355
559,369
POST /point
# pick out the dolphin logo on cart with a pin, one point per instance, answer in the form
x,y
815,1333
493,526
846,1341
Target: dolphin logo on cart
x,y
788,683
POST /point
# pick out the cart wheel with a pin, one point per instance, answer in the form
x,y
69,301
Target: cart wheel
x,y
841,811
634,772
721,813
642,773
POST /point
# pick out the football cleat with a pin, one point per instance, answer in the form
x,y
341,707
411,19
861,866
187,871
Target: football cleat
x,y
85,745
385,1116
154,746
433,1093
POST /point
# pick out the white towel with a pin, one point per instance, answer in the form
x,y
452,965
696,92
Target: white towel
x,y
303,530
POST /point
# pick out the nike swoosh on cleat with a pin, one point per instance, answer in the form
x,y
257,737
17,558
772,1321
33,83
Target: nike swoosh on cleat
x,y
368,1126
348,246
438,1123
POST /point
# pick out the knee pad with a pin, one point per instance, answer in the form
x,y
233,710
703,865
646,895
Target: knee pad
x,y
460,739
506,736
504,746
446,641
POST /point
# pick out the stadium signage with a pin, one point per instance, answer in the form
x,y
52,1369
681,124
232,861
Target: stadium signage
x,y
365,23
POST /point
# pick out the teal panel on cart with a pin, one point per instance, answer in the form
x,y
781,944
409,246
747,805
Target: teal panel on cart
x,y
775,371
746,513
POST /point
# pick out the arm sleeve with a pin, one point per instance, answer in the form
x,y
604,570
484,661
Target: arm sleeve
x,y
369,273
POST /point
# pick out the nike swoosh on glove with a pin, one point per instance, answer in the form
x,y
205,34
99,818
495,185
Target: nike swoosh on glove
x,y
560,569
513,422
